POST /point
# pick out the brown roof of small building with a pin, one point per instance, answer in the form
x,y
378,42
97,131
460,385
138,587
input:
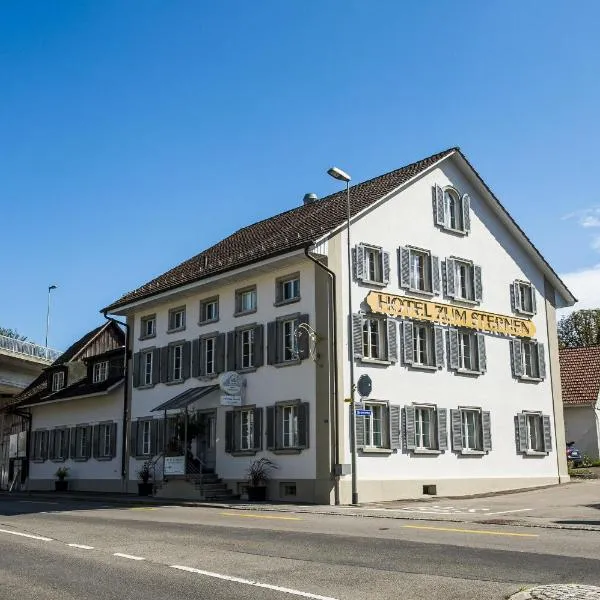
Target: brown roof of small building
x,y
286,232
580,375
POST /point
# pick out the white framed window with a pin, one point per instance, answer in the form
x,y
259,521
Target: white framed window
x,y
535,432
84,441
374,339
464,280
288,289
289,416
209,355
148,326
423,345
289,339
247,429
177,319
453,210
373,264
40,445
247,337
148,362
468,351
59,444
531,361
105,445
100,371
527,359
472,430
177,362
209,310
58,381
522,295
146,437
420,271
425,429
245,300
375,426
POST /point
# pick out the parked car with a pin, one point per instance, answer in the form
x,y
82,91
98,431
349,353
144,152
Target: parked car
x,y
574,455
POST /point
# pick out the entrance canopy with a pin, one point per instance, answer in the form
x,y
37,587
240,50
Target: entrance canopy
x,y
186,398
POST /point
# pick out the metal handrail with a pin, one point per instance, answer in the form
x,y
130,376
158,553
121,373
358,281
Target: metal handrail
x,y
28,349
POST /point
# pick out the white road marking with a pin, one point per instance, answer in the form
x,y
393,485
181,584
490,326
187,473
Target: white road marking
x,y
27,535
35,502
129,556
267,586
82,546
504,512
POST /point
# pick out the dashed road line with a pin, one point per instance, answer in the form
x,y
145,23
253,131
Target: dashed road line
x,y
252,516
476,531
129,556
35,502
258,584
27,535
82,546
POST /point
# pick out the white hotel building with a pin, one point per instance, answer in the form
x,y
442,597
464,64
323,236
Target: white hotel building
x,y
453,320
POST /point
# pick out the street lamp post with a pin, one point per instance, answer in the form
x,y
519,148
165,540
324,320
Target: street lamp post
x,y
50,288
343,176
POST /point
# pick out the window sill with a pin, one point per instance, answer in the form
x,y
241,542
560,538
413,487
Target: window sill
x,y
373,283
473,452
452,230
469,372
524,313
244,313
58,460
146,386
175,330
375,361
375,450
201,323
174,381
81,459
467,301
243,452
535,453
423,367
286,302
104,458
288,363
531,379
427,293
146,337
426,451
286,450
247,370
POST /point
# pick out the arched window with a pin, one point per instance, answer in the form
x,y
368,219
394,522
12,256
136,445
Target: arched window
x,y
453,210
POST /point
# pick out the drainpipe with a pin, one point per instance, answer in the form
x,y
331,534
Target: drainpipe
x,y
334,393
124,445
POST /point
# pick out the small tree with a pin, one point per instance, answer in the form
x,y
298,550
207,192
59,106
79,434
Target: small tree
x,y
12,333
580,328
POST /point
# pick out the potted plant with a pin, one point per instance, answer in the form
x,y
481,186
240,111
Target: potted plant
x,y
145,486
61,484
258,475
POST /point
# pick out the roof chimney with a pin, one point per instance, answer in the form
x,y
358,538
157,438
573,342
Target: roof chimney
x,y
310,198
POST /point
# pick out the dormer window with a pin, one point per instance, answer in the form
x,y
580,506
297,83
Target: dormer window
x,y
58,381
100,371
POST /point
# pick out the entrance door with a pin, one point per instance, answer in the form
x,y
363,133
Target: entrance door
x,y
207,442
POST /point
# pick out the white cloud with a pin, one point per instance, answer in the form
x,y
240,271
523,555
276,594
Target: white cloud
x,y
590,221
585,285
588,218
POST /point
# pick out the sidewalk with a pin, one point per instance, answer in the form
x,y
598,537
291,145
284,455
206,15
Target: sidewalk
x,y
570,506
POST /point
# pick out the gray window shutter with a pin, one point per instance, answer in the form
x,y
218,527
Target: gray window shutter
x,y
113,440
408,350
231,351
196,357
533,301
357,335
259,354
486,423
439,206
453,347
359,423
156,366
395,438
466,210
186,360
45,436
258,412
272,342
392,341
165,371
438,333
450,277
154,437
481,356
229,441
385,263
303,424
136,369
90,438
478,287
442,428
220,353
455,418
303,339
271,442
65,444
516,356
73,442
237,430
358,263
238,349
404,266
278,292
513,297
435,275
541,360
160,436
133,439
96,441
521,432
547,433
202,358
51,444
409,428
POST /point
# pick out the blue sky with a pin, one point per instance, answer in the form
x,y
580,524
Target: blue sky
x,y
135,134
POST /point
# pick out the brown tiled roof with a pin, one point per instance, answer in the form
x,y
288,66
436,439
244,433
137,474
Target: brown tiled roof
x,y
286,232
580,375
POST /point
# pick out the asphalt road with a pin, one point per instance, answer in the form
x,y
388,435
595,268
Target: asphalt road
x,y
189,552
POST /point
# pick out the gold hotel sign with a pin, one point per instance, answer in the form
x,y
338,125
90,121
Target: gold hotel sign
x,y
446,314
